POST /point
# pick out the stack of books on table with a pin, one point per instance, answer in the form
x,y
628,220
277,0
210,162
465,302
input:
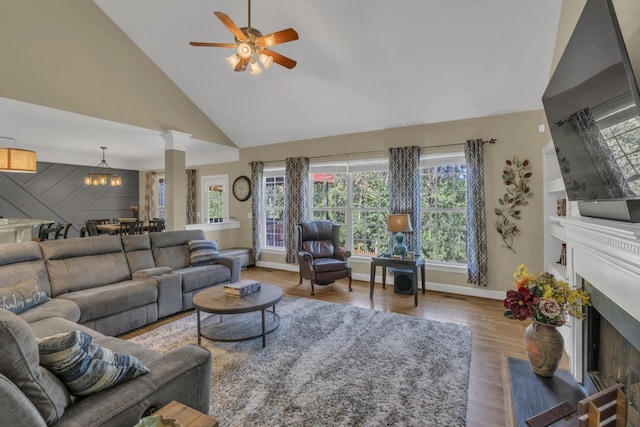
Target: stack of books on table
x,y
242,288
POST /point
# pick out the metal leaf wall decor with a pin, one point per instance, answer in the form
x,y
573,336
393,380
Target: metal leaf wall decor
x,y
515,176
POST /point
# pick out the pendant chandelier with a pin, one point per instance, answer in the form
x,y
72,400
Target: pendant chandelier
x,y
103,175
16,159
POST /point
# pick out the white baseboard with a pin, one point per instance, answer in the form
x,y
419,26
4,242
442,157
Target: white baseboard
x,y
432,286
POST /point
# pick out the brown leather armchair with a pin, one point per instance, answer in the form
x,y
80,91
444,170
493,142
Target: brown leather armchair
x,y
322,261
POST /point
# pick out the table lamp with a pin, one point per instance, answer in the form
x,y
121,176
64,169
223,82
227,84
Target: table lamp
x,y
399,224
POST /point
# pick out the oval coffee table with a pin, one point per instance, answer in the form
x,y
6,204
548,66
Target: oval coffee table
x,y
237,328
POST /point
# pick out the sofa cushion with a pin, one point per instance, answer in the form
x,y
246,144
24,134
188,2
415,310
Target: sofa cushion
x,y
20,363
138,251
172,249
55,307
103,301
204,252
195,278
85,366
22,296
77,264
20,262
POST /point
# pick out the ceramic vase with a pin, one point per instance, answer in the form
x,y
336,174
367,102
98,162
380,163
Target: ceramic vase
x,y
544,345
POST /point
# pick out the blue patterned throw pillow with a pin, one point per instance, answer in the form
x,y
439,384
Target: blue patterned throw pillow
x,y
204,252
84,366
22,296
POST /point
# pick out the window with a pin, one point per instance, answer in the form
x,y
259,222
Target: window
x,y
274,209
355,195
215,198
161,209
443,208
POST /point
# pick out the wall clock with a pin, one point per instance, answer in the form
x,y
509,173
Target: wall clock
x,y
242,188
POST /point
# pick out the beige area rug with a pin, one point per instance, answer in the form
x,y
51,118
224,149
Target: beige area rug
x,y
335,365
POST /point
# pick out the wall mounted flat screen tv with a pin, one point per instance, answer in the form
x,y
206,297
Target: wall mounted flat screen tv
x,y
592,105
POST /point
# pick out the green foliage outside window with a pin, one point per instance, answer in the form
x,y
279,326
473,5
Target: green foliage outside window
x,y
359,203
274,209
443,213
216,201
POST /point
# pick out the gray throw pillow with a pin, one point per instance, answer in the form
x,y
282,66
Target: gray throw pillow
x,y
22,296
204,252
84,366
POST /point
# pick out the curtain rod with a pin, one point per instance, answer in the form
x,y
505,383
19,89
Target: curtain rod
x,y
372,152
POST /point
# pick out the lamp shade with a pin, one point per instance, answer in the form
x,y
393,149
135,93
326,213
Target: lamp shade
x,y
399,223
17,160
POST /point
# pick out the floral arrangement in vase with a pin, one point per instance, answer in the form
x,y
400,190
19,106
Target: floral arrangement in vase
x,y
548,302
543,298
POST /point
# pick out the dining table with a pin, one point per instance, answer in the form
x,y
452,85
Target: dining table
x,y
115,227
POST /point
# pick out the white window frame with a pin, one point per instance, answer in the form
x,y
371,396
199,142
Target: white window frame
x,y
269,173
443,159
348,167
161,208
205,183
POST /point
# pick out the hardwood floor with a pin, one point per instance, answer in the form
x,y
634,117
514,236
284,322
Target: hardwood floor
x,y
495,338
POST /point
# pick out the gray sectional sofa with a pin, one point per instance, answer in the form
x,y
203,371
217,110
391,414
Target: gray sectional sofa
x,y
104,286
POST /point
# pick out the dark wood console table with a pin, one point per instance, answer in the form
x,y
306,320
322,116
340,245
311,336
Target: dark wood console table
x,y
404,264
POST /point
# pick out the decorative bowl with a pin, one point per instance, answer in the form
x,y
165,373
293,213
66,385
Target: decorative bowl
x,y
157,421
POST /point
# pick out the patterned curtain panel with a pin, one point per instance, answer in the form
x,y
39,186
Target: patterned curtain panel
x,y
600,155
149,195
192,210
257,173
296,201
404,191
476,221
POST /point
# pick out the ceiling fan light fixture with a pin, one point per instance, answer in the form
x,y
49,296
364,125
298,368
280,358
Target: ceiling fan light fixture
x,y
266,60
244,50
233,60
254,68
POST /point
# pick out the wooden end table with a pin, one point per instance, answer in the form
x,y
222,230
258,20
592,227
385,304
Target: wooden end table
x,y
215,301
186,416
404,264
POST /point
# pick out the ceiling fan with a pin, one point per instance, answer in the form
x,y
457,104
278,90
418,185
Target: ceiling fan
x,y
250,42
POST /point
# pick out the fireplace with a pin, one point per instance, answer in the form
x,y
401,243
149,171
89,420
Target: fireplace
x,y
604,257
611,354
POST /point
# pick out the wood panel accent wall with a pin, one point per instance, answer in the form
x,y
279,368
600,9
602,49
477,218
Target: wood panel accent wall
x,y
57,192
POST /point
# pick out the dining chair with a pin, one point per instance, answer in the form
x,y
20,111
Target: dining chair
x,y
130,227
156,225
92,229
43,231
56,230
65,233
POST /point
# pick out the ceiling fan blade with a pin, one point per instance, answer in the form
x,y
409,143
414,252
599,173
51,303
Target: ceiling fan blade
x,y
231,26
280,59
205,44
242,64
278,37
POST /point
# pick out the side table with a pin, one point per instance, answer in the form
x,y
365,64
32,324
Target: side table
x,y
405,264
186,416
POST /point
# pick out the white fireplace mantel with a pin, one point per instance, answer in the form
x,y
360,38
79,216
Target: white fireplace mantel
x,y
607,254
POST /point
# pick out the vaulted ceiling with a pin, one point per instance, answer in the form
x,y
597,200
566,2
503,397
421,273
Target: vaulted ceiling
x,y
361,66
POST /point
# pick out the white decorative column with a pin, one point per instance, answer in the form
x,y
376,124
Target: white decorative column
x,y
175,179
